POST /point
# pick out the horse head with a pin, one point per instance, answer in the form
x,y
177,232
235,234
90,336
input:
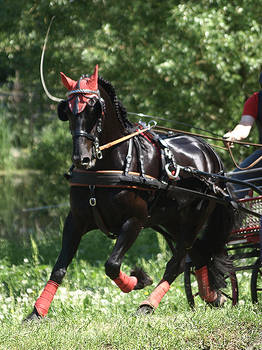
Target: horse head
x,y
84,109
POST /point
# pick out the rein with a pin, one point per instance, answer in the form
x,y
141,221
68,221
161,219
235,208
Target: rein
x,y
234,161
163,128
228,148
127,137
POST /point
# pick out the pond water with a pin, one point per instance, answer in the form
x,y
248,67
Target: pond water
x,y
31,202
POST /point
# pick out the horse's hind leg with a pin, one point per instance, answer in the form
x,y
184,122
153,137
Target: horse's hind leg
x,y
70,243
126,238
208,256
200,261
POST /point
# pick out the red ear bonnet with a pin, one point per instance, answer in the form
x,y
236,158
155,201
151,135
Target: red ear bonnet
x,y
77,102
67,82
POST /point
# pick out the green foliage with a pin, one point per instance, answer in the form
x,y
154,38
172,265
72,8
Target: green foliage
x,y
192,62
52,151
6,159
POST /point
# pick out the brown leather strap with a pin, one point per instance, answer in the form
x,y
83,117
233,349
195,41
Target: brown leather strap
x,y
234,161
124,138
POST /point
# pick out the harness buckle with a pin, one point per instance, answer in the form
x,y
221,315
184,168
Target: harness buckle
x,y
168,153
97,151
92,201
152,124
99,154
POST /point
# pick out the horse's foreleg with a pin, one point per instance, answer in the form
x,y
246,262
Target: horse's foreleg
x,y
70,243
126,238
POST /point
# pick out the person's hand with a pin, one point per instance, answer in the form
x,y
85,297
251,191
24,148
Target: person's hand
x,y
229,136
240,132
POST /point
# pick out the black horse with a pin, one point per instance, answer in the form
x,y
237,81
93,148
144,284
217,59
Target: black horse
x,y
121,187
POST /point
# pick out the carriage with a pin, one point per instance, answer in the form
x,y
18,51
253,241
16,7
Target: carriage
x,y
244,246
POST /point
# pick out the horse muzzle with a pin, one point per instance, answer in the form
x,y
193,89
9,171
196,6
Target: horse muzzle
x,y
83,162
86,150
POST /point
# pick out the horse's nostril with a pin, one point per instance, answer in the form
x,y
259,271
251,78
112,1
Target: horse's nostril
x,y
85,160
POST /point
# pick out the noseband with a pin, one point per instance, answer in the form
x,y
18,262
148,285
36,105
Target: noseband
x,y
83,134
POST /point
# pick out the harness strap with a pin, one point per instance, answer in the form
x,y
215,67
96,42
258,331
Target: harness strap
x,y
129,156
114,178
140,157
97,216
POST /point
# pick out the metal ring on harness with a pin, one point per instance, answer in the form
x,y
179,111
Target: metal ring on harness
x,y
169,173
152,124
92,202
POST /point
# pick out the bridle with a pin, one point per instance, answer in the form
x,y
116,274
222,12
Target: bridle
x,y
92,96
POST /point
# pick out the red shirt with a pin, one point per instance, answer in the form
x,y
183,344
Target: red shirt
x,y
251,106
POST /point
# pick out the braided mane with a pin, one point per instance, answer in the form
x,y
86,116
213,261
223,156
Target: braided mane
x,y
119,108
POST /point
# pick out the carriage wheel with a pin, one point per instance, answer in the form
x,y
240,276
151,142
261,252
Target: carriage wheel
x,y
256,283
191,288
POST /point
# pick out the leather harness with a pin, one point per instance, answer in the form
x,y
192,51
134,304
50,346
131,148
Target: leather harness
x,y
132,180
123,178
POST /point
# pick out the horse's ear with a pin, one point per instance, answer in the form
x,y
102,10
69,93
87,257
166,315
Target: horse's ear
x,y
67,82
61,111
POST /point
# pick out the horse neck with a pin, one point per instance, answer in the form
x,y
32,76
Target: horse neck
x,y
115,157
113,128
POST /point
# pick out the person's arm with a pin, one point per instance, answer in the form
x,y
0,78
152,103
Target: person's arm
x,y
241,130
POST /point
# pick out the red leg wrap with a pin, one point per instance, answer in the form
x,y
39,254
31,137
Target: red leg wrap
x,y
203,285
44,301
125,283
157,294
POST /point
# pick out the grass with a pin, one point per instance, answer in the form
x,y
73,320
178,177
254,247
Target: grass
x,y
90,312
116,329
6,158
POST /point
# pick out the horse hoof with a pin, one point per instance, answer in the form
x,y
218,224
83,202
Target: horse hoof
x,y
145,310
34,316
143,280
219,302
